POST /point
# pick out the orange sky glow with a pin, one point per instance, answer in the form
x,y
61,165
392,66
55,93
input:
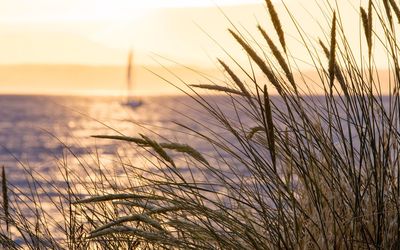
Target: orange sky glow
x,y
101,32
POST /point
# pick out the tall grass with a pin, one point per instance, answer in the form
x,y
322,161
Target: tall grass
x,y
293,171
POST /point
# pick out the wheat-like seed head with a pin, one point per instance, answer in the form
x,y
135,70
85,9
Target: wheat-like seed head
x,y
270,125
261,64
217,88
395,9
277,23
254,131
137,218
279,57
367,24
235,78
338,71
332,53
147,142
388,11
183,148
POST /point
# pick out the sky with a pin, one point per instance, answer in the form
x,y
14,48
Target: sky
x,y
101,33
96,10
33,10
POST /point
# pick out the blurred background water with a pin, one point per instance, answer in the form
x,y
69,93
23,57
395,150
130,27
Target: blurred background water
x,y
37,131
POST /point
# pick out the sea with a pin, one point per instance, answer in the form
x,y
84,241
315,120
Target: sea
x,y
41,135
37,131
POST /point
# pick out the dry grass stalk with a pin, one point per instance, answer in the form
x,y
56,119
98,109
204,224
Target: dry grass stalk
x,y
129,231
5,198
253,131
338,72
113,197
8,243
137,217
236,79
395,9
182,148
162,210
277,23
218,88
370,17
367,24
159,150
270,129
261,64
138,141
388,11
279,57
332,52
364,17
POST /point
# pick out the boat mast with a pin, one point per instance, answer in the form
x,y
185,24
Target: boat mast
x,y
129,75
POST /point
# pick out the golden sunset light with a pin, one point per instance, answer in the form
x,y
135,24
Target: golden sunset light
x,y
199,124
101,33
37,29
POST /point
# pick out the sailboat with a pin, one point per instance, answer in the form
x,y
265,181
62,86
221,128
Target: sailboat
x,y
130,82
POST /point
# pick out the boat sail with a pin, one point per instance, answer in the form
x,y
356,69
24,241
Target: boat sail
x,y
130,101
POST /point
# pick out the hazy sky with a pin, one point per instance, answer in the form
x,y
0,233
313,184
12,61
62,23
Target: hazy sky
x,y
34,10
101,32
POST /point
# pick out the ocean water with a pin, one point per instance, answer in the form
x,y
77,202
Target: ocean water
x,y
37,132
